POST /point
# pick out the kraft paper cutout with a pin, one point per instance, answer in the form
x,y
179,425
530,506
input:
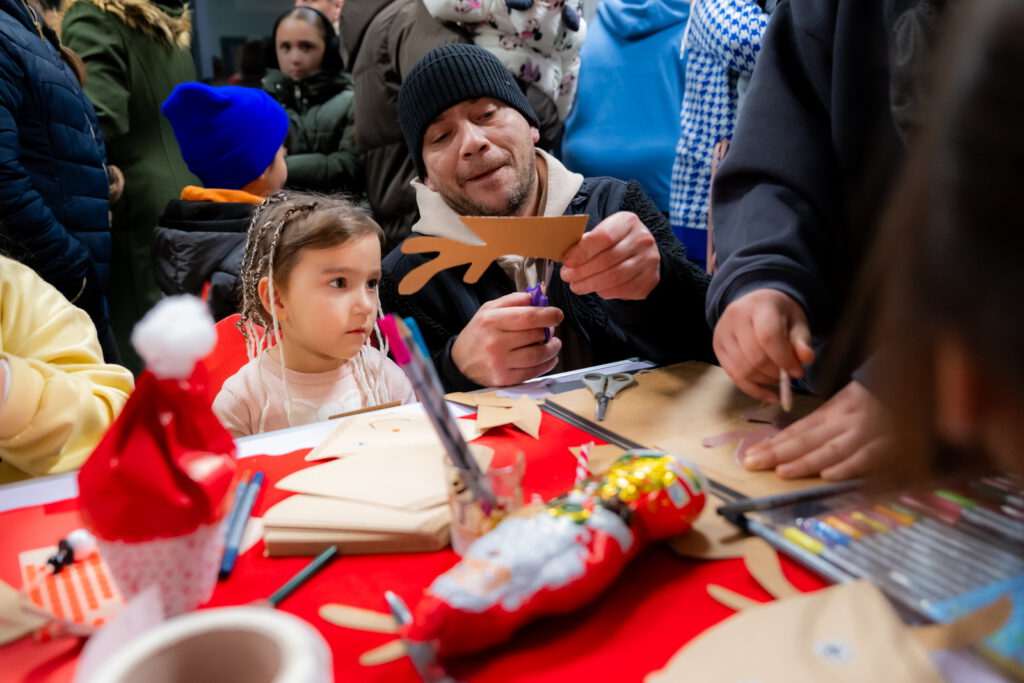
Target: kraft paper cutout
x,y
601,458
712,536
848,632
397,431
302,512
410,480
533,237
677,407
358,618
388,652
496,411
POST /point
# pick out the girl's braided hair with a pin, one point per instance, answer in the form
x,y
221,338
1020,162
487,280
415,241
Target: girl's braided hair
x,y
282,226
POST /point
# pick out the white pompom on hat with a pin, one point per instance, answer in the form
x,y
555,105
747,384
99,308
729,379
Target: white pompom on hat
x,y
174,335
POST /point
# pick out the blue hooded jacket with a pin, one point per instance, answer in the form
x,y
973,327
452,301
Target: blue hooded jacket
x,y
53,177
625,123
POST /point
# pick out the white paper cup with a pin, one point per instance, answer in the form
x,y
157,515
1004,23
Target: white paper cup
x,y
243,644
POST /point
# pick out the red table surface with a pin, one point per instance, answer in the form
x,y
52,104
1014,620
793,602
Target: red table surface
x,y
657,604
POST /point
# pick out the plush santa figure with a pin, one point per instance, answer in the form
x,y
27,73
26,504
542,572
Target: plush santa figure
x,y
156,489
554,558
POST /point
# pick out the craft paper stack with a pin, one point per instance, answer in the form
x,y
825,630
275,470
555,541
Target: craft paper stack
x,y
383,490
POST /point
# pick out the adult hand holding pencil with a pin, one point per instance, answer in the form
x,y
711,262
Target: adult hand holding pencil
x,y
759,336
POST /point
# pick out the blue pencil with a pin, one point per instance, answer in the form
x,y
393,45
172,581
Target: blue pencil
x,y
237,525
236,505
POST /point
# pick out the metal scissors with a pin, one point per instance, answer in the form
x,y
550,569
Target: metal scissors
x,y
605,388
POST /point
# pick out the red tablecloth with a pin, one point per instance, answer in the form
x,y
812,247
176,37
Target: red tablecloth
x,y
657,605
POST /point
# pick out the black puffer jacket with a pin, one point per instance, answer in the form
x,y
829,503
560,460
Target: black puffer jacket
x,y
667,327
200,242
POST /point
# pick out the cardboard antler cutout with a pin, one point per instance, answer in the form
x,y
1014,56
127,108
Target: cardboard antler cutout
x,y
847,632
533,237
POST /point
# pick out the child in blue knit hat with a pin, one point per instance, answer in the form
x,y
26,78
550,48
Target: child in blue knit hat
x,y
233,139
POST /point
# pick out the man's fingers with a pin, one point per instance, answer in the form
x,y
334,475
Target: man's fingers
x,y
829,453
761,369
526,357
800,438
526,318
512,300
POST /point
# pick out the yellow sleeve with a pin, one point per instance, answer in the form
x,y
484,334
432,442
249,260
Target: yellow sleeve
x,y
63,396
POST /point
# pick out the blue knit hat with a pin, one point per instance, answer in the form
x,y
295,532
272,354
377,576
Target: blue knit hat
x,y
228,135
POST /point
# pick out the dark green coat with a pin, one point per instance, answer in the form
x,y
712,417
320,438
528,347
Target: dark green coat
x,y
321,146
135,52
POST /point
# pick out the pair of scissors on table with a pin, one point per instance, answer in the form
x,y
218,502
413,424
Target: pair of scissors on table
x,y
539,292
605,388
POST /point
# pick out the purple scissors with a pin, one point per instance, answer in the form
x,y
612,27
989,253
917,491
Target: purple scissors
x,y
538,292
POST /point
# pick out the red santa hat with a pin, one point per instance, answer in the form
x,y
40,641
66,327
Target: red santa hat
x,y
166,465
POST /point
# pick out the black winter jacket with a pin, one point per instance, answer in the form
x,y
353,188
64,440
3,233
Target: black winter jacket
x,y
667,327
53,178
199,242
811,164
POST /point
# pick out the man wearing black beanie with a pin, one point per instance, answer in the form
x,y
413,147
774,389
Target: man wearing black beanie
x,y
625,289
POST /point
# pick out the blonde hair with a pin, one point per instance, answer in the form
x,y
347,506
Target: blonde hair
x,y
282,226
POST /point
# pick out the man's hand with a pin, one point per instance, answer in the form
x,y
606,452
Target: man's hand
x,y
503,343
618,259
843,438
759,334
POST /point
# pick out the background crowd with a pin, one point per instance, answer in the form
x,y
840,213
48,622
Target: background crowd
x,y
778,187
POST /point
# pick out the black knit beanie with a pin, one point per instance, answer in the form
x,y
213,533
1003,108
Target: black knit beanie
x,y
446,76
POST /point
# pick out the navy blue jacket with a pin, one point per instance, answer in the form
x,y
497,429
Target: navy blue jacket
x,y
53,178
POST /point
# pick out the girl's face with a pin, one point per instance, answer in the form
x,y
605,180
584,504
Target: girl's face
x,y
300,48
329,304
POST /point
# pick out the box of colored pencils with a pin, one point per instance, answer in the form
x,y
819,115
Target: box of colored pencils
x,y
941,551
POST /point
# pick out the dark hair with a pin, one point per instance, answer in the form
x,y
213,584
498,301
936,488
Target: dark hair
x,y
948,259
332,46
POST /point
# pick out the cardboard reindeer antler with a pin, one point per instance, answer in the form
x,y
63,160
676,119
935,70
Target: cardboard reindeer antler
x,y
533,237
847,632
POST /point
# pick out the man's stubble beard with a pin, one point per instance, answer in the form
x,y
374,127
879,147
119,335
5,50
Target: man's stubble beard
x,y
517,198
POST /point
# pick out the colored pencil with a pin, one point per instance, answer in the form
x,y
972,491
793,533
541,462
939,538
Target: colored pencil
x,y
307,572
238,524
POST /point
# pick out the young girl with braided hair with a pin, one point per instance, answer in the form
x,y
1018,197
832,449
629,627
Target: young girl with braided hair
x,y
309,306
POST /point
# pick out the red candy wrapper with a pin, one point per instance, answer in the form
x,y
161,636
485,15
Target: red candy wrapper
x,y
554,558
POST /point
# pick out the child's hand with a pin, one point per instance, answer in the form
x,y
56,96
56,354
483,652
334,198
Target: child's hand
x,y
759,334
845,437
504,343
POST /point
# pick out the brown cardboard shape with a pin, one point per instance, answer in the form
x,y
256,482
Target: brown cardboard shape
x,y
848,632
383,476
712,536
300,512
533,237
397,431
675,407
285,542
523,413
601,457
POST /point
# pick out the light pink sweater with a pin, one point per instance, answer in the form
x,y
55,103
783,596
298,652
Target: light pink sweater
x,y
314,396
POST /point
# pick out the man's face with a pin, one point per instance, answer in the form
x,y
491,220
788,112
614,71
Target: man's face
x,y
479,156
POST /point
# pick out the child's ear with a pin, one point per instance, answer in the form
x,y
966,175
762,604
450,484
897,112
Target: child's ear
x,y
263,288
